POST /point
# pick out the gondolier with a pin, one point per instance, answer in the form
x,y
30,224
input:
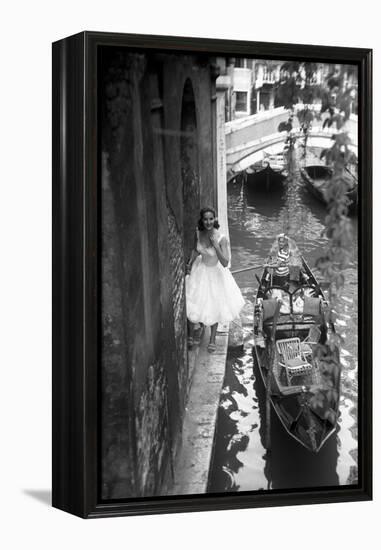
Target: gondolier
x,y
282,270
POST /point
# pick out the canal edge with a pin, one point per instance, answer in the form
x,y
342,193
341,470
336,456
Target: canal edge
x,y
194,457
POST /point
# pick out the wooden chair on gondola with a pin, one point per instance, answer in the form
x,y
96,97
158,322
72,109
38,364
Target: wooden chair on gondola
x,y
293,359
312,339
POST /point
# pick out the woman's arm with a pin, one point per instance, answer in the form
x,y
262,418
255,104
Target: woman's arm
x,y
222,250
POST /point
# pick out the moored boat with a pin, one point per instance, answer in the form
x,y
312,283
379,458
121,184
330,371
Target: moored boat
x,y
303,377
266,175
317,179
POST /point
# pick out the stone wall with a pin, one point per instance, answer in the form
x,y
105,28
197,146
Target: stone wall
x,y
177,275
150,131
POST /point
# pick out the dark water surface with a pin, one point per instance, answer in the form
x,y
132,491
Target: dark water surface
x,y
240,462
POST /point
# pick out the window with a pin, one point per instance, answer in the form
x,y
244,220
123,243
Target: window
x,y
241,101
240,62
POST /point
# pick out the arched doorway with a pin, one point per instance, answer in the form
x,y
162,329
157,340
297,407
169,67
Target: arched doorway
x,y
189,167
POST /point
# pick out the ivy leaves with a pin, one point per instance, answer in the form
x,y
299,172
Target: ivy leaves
x,y
305,116
340,152
285,126
287,93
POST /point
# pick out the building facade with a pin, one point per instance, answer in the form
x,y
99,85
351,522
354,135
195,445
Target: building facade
x,y
254,83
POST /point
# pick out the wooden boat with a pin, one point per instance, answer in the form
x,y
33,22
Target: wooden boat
x,y
317,179
303,391
266,175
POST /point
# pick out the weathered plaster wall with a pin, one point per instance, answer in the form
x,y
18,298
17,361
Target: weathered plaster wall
x,y
147,213
119,479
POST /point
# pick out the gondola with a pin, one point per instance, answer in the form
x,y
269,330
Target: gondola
x,y
303,391
317,179
267,175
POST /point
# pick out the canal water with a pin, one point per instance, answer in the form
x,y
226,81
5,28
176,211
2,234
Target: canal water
x,y
240,460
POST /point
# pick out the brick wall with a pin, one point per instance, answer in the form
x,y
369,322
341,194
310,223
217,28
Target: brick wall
x,y
153,437
177,271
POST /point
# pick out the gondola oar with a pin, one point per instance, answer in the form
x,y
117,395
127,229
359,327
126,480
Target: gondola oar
x,y
247,269
269,374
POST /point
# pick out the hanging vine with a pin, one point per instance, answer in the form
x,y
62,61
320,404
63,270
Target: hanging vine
x,y
298,90
338,102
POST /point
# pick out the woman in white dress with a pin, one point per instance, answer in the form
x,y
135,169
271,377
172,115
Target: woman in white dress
x,y
212,295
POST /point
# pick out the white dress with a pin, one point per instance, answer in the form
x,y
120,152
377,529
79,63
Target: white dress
x,y
212,295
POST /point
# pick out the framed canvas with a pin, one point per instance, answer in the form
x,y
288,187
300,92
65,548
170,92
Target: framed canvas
x,y
212,288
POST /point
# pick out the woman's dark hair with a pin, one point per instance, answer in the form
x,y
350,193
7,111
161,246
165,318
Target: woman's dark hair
x,y
200,224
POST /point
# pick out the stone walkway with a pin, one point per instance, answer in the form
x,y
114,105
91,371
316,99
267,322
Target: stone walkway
x,y
191,469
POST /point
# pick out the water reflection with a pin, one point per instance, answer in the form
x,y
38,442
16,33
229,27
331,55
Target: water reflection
x,y
292,466
240,459
259,201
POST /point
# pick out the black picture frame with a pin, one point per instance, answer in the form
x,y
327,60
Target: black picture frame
x,y
76,272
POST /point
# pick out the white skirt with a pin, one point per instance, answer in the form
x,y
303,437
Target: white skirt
x,y
212,295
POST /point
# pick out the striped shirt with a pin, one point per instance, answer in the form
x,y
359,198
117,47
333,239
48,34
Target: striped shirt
x,y
283,257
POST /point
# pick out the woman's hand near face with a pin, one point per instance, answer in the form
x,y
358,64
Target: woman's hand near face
x,y
214,240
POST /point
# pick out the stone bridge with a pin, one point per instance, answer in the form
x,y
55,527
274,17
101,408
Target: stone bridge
x,y
249,138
